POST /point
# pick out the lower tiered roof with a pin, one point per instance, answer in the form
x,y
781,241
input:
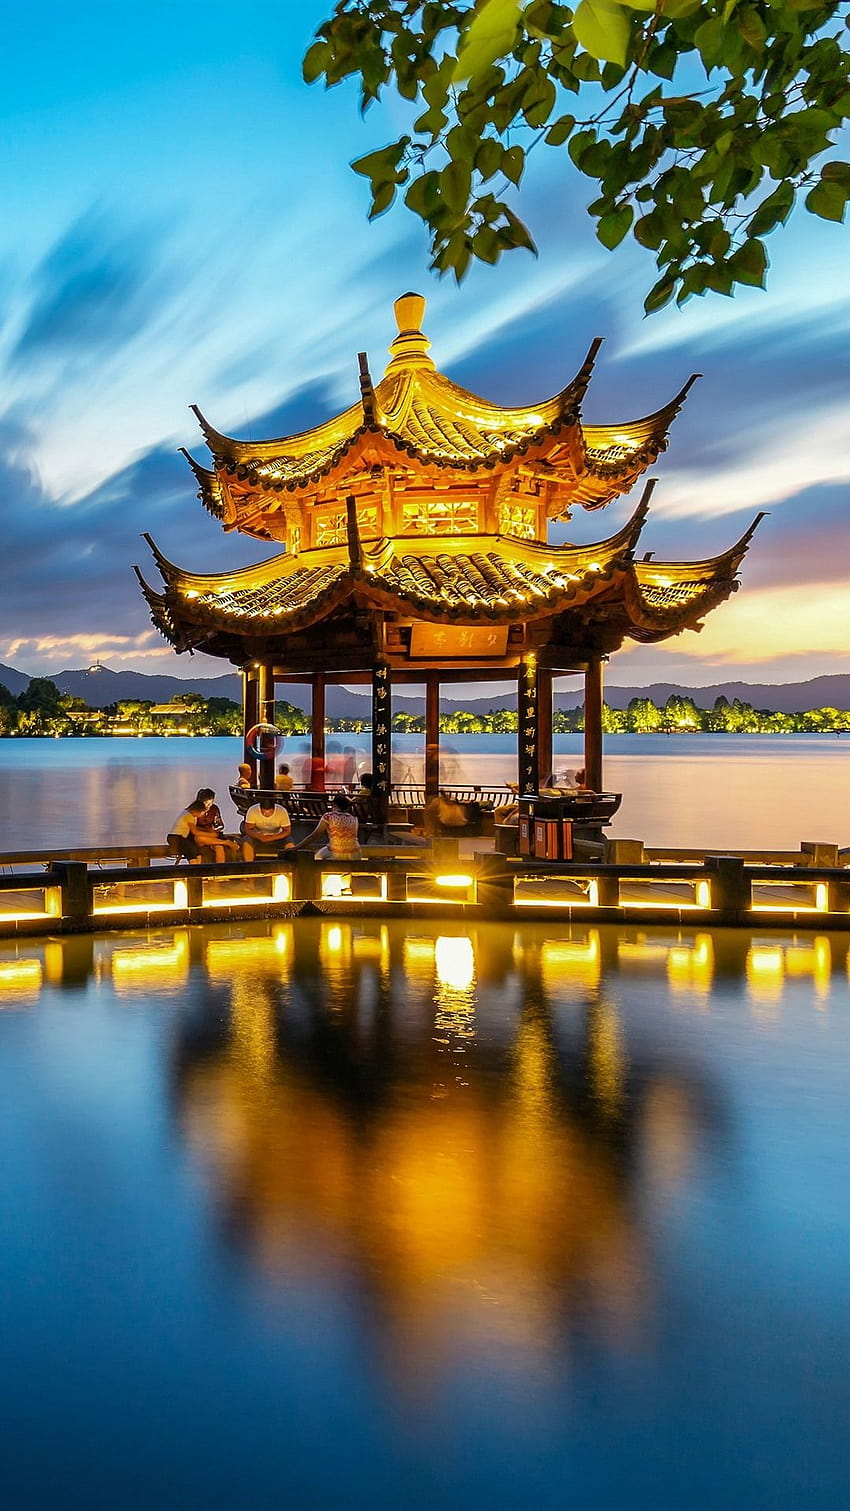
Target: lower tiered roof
x,y
463,580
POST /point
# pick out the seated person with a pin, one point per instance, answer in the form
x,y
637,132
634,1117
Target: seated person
x,y
444,812
194,844
246,775
364,799
283,781
267,829
211,818
339,827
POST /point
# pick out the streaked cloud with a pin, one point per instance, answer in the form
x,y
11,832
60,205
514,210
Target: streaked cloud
x,y
231,265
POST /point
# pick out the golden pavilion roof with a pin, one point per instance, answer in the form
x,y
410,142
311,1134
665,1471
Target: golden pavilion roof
x,y
419,421
475,580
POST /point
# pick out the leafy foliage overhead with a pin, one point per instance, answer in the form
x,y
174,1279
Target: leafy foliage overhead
x,y
701,122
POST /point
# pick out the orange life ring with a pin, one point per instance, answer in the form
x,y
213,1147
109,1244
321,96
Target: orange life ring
x,y
262,741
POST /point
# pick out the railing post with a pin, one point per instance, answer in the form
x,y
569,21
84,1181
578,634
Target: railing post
x,y
731,890
73,879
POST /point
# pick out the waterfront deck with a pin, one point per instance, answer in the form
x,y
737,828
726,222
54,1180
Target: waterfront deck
x,y
83,890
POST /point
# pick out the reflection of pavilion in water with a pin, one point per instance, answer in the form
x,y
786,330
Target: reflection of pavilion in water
x,y
420,1108
457,1117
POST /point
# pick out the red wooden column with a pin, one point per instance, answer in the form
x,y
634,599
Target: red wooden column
x,y
317,733
545,757
593,724
432,734
250,714
265,702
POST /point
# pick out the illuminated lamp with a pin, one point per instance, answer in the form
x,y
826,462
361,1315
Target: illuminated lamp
x,y
703,893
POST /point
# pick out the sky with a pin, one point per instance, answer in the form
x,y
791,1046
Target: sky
x,y
181,226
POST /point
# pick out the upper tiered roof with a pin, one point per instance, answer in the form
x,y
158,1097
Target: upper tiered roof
x,y
417,428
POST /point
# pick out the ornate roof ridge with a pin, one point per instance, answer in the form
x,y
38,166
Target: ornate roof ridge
x,y
709,565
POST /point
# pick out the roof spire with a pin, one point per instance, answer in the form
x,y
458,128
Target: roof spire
x,y
410,347
367,392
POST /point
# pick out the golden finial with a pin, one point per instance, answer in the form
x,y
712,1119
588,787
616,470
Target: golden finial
x,y
410,347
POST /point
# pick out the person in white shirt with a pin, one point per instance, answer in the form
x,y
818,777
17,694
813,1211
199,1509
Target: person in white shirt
x,y
267,828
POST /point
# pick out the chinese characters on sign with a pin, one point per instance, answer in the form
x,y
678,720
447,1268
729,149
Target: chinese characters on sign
x,y
529,775
381,730
456,640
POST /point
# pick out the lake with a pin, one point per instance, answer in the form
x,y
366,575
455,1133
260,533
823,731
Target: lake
x,y
327,1214
738,791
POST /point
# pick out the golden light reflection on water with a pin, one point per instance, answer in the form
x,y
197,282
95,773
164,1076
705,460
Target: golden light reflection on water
x,y
461,1118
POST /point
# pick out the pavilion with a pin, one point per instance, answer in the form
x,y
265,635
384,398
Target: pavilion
x,y
414,545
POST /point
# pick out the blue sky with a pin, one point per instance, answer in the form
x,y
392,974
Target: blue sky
x,y
180,225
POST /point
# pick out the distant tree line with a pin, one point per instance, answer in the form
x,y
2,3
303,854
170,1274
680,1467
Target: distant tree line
x,y
43,710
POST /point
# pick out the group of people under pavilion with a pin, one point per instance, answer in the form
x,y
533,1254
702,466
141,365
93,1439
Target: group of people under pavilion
x,y
414,548
197,834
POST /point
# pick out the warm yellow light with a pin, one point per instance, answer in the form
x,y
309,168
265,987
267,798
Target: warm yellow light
x,y
454,958
822,897
181,894
333,940
703,893
453,881
20,976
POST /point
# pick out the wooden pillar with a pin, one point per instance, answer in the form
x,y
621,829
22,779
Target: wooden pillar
x,y
545,756
317,733
528,760
382,715
250,715
265,703
593,724
432,734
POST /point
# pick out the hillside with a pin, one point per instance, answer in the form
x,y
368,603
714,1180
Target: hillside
x,y
100,686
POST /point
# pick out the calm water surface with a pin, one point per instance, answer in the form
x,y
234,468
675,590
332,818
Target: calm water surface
x,y
736,791
315,1214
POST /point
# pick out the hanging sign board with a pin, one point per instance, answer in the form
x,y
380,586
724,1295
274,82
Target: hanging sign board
x,y
432,641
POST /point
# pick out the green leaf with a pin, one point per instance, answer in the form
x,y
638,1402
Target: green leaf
x,y
579,144
614,226
455,184
488,158
649,230
660,294
423,196
491,33
773,211
315,59
382,197
837,172
603,30
644,5
513,163
749,263
486,244
515,233
560,130
828,200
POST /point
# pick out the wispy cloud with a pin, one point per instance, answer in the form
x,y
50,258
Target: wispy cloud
x,y
96,289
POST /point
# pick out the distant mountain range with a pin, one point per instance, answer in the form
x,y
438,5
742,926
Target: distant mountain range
x,y
99,686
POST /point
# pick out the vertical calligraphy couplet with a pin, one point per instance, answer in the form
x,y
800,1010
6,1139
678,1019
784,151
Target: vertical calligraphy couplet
x,y
382,714
528,760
